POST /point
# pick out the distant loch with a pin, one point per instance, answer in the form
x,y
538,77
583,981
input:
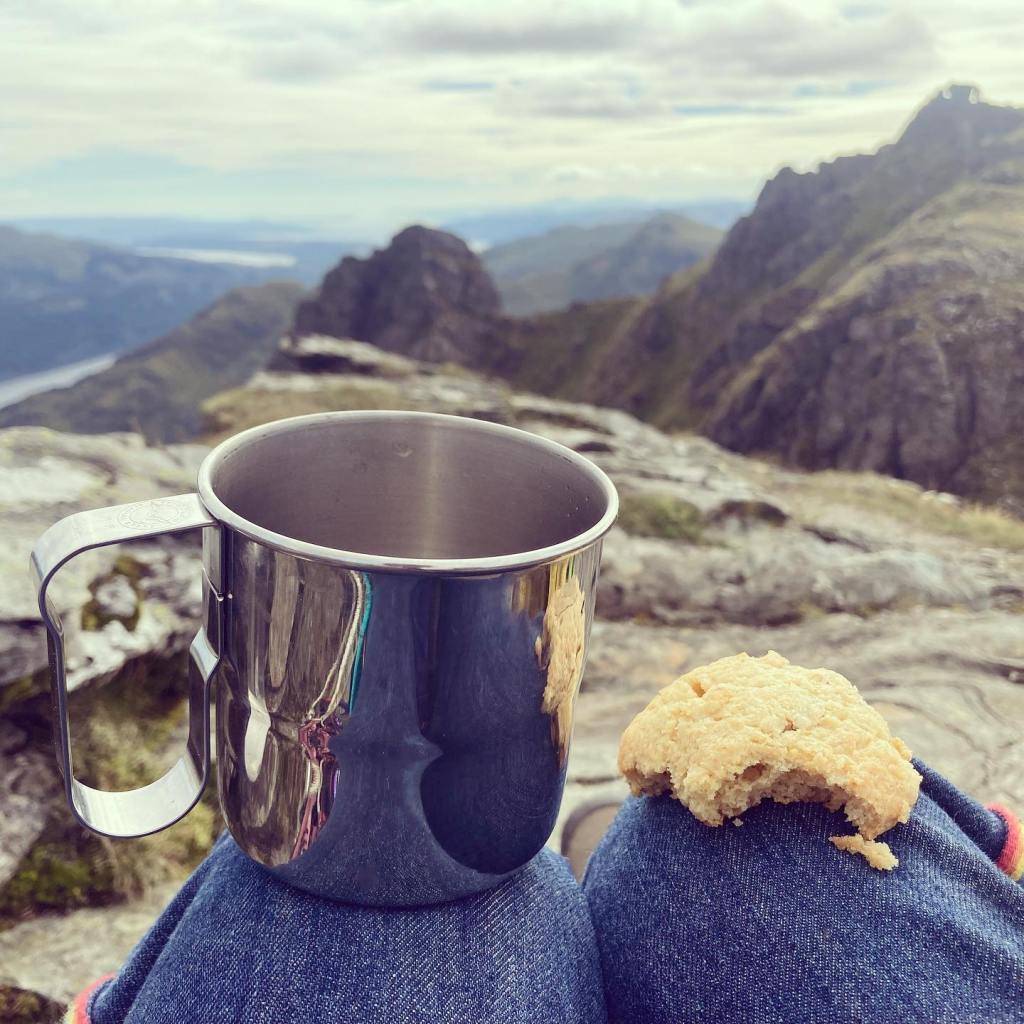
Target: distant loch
x,y
16,388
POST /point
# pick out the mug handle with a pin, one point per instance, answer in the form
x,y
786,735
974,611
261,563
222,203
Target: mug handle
x,y
136,812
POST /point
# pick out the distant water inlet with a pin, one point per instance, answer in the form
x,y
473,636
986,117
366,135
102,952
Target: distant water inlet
x,y
235,257
17,388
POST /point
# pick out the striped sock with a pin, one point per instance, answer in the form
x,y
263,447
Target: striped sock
x,y
1011,860
78,1011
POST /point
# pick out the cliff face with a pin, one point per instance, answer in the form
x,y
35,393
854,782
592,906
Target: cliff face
x,y
426,295
866,315
907,357
914,366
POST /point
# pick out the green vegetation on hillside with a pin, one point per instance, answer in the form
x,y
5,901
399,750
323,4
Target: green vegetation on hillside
x,y
865,315
572,264
157,389
909,507
555,353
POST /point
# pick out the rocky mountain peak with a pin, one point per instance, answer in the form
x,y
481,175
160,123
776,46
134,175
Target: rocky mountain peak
x,y
426,295
865,315
957,117
848,202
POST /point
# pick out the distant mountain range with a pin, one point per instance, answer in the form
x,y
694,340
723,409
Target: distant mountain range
x,y
157,389
63,300
125,281
269,248
495,227
128,231
866,315
575,264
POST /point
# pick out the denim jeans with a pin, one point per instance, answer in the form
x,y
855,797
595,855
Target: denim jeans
x,y
769,924
761,924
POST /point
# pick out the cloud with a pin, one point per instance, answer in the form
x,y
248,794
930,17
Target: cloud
x,y
854,88
862,10
388,106
728,110
64,16
454,85
573,173
780,42
597,105
298,61
538,29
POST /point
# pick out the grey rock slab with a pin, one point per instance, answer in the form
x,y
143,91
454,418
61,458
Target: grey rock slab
x,y
47,475
28,780
949,681
59,955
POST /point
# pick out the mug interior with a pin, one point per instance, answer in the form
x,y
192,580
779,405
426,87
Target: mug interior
x,y
408,486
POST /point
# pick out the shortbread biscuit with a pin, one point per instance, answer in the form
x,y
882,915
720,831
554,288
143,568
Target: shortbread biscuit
x,y
724,737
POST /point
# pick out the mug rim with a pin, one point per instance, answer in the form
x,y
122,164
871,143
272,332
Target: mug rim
x,y
391,563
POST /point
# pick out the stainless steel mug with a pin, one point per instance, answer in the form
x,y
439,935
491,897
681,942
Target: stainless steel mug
x,y
397,609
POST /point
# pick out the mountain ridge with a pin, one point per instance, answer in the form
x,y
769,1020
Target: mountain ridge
x,y
864,315
741,347
570,264
157,389
64,300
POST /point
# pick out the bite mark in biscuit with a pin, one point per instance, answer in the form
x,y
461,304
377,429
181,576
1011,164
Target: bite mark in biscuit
x,y
726,736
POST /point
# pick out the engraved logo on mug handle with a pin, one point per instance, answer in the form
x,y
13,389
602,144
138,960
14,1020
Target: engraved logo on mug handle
x,y
151,516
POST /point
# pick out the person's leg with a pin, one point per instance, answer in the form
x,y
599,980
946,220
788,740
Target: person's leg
x,y
237,946
768,922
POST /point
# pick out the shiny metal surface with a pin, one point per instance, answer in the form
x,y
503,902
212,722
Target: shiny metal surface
x,y
408,492
151,808
401,607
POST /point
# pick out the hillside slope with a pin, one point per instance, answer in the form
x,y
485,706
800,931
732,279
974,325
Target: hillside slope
x,y
157,389
63,300
573,264
866,315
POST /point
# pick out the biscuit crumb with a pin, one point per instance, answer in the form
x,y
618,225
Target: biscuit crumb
x,y
738,822
878,855
726,736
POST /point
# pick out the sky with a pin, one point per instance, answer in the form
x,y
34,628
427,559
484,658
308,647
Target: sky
x,y
360,115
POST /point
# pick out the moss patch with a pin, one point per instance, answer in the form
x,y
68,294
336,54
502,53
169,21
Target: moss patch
x,y
751,510
70,867
124,735
661,515
57,875
94,615
24,690
246,407
20,1006
907,503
